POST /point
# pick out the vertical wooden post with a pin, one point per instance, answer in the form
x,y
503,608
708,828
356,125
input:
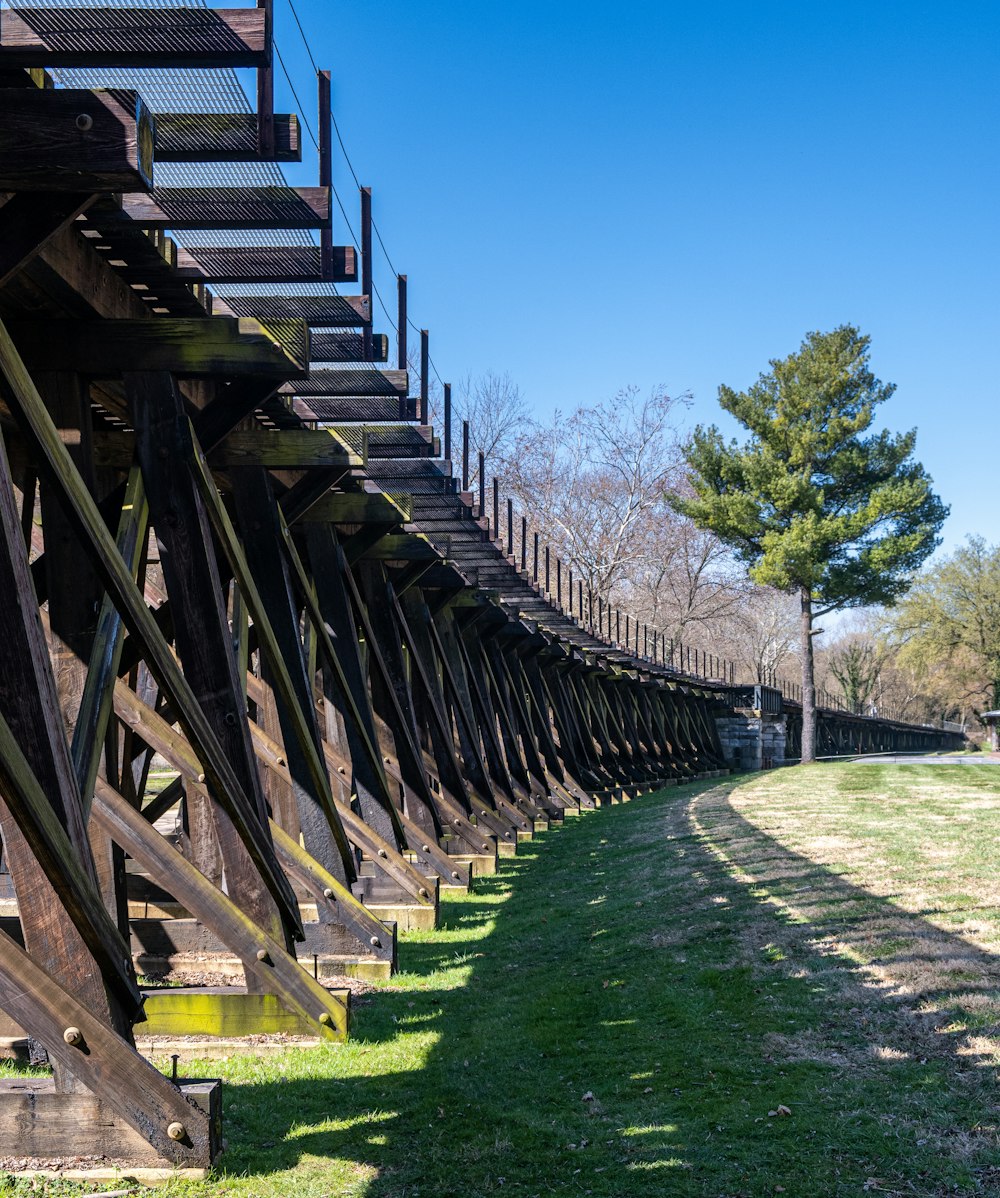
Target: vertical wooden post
x,y
510,527
559,583
482,484
571,590
534,572
465,455
401,319
425,381
265,91
325,145
447,422
547,579
496,508
579,598
366,266
524,543
618,625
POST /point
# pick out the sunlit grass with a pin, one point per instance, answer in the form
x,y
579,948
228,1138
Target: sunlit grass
x,y
763,986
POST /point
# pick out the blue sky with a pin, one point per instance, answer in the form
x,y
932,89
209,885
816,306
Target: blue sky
x,y
594,195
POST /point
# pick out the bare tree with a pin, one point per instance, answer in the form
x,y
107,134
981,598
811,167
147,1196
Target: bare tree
x,y
499,422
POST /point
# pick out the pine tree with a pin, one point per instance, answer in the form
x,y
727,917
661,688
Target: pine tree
x,y
813,502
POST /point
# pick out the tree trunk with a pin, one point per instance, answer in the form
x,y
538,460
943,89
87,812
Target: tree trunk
x,y
808,679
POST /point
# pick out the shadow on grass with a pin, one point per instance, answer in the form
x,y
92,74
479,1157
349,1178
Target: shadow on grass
x,y
644,1001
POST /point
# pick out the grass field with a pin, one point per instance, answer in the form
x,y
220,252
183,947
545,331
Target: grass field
x,y
778,984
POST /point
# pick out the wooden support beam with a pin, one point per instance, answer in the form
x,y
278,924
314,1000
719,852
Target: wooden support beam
x,y
360,507
220,208
288,449
402,547
334,383
72,140
165,450
266,959
28,221
347,347
82,1044
223,137
266,264
18,389
134,37
320,311
218,345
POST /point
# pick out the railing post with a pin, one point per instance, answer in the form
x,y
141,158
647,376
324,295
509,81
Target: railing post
x,y
425,382
559,583
496,508
482,485
571,590
547,570
366,266
401,322
534,572
447,422
524,543
510,527
465,455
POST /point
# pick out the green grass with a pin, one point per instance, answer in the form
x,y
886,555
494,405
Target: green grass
x,y
633,1003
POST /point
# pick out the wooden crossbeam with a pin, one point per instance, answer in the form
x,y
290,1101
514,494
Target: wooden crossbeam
x,y
73,140
346,347
223,137
135,37
218,345
221,208
402,547
105,1063
336,383
276,971
318,311
355,507
140,622
267,264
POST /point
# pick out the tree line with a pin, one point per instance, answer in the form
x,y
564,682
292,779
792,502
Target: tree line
x,y
754,550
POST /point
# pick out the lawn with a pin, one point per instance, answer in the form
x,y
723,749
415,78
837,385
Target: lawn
x,y
784,983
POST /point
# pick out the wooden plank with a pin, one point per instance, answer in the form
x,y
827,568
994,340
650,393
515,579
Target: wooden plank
x,y
217,345
106,1064
221,208
139,37
223,137
276,971
73,140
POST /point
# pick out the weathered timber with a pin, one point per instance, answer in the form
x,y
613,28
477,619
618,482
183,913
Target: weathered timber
x,y
28,221
64,1128
322,311
219,345
346,347
72,140
360,507
220,208
334,383
267,264
224,137
166,450
263,957
135,37
104,1062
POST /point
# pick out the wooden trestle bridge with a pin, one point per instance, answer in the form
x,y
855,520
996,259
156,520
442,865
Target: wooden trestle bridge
x,y
232,542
